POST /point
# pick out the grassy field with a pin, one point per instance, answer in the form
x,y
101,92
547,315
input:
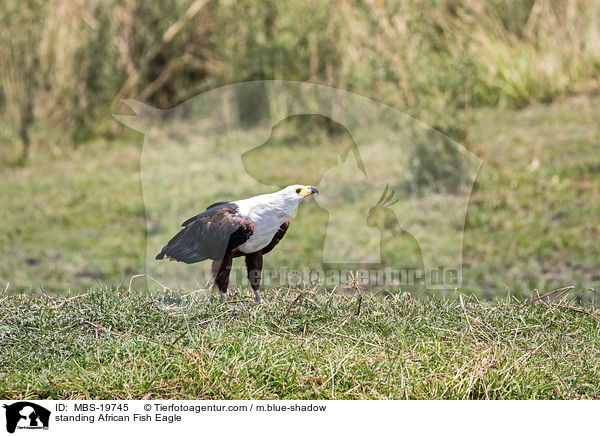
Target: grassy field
x,y
111,344
78,220
86,203
532,217
78,223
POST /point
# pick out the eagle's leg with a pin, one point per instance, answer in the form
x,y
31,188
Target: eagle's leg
x,y
221,270
254,263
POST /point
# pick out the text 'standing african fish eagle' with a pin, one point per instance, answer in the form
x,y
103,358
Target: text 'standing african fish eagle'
x,y
228,229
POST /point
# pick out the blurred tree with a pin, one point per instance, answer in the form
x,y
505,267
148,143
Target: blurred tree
x,y
21,28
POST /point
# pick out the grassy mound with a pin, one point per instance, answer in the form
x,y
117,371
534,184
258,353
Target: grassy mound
x,y
110,344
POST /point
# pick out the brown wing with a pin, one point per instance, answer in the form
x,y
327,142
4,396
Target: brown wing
x,y
278,237
209,235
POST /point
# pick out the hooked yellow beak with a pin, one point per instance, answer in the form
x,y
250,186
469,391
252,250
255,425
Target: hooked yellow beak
x,y
308,190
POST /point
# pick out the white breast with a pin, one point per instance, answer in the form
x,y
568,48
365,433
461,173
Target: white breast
x,y
268,215
263,234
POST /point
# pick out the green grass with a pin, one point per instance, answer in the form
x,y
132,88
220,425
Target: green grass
x,y
79,220
110,344
534,226
73,218
74,221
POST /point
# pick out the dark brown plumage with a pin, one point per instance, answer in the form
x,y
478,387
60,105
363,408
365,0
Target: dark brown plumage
x,y
209,235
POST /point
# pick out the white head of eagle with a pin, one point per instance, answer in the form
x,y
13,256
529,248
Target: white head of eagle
x,y
228,229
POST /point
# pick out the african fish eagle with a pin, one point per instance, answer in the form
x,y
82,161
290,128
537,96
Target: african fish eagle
x,y
228,229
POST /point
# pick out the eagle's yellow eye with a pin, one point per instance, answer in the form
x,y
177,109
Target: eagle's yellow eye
x,y
298,191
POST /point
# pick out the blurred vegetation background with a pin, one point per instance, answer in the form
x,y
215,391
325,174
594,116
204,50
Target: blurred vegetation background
x,y
64,66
